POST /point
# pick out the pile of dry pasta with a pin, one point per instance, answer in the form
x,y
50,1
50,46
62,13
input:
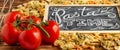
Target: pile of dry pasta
x,y
74,40
37,8
91,41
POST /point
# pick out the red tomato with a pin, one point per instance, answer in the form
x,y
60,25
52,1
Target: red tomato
x,y
10,34
23,25
53,29
11,17
35,19
30,39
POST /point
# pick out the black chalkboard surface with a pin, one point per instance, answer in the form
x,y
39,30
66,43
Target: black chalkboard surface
x,y
85,17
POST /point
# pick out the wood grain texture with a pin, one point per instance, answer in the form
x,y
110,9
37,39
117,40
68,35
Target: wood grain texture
x,y
16,2
4,46
48,47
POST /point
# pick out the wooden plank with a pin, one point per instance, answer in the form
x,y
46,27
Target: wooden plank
x,y
42,47
47,47
4,46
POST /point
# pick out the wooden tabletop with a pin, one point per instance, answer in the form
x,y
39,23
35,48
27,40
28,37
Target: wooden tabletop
x,y
4,46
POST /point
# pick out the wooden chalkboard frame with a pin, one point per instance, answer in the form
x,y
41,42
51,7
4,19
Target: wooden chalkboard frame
x,y
83,31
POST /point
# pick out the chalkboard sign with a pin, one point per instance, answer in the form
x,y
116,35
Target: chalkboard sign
x,y
84,17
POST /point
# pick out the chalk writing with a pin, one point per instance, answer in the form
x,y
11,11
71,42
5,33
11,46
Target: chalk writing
x,y
85,17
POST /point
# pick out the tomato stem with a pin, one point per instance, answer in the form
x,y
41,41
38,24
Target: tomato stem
x,y
46,33
17,22
43,23
30,22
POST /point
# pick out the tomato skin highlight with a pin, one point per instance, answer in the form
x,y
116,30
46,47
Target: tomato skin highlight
x,y
30,39
10,34
53,29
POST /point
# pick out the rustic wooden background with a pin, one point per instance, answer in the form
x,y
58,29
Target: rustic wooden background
x,y
16,2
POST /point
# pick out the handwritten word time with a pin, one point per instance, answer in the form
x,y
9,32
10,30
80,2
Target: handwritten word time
x,y
89,22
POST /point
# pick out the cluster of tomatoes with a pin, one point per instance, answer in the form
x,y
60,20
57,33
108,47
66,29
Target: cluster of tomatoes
x,y
28,31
